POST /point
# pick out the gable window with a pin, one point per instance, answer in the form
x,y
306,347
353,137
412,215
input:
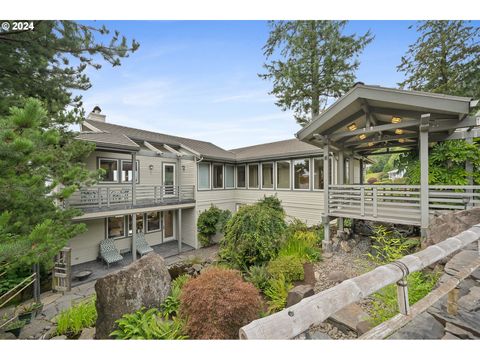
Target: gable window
x,y
301,174
116,226
110,166
283,174
229,176
127,171
267,176
140,223
218,176
240,176
203,176
153,221
253,176
318,173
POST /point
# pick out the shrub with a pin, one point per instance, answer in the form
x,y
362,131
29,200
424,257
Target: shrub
x,y
372,180
258,276
211,222
148,325
272,202
217,303
253,235
291,267
170,305
72,321
303,245
277,292
388,246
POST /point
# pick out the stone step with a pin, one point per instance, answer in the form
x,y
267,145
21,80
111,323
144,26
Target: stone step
x,y
349,317
424,326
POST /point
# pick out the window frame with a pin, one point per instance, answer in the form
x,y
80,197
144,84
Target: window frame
x,y
225,176
289,175
273,175
125,229
121,171
160,227
119,175
128,223
209,176
322,161
258,176
244,174
309,174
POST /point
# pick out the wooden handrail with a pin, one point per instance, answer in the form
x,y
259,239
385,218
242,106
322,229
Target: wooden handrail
x,y
315,309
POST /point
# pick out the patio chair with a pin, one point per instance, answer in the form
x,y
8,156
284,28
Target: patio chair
x,y
141,244
109,253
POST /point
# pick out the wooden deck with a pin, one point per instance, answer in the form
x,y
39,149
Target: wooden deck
x,y
397,203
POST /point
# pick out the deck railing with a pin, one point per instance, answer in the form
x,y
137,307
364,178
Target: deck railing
x,y
315,309
106,196
397,203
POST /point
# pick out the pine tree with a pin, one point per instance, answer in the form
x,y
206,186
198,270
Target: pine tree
x,y
311,62
444,59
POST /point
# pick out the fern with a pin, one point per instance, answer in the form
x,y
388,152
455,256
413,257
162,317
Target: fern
x,y
277,292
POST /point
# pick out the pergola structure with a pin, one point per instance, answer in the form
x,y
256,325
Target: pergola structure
x,y
376,120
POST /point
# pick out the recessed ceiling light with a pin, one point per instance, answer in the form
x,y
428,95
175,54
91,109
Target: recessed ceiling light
x,y
401,140
370,143
399,131
352,127
362,136
396,120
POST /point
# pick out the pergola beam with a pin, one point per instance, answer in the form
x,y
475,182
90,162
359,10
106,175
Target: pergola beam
x,y
378,128
345,122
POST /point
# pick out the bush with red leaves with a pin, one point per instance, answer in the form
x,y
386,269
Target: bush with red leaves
x,y
217,303
372,180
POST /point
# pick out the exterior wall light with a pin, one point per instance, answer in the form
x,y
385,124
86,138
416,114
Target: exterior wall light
x,y
150,167
396,120
352,127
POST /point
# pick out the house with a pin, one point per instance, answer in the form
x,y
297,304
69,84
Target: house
x,y
178,178
395,174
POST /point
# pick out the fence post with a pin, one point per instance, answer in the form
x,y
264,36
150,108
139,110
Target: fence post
x,y
402,297
375,213
362,201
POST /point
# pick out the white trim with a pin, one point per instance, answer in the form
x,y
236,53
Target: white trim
x,y
289,175
309,174
209,176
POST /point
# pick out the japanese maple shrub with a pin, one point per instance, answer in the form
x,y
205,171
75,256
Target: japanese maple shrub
x,y
217,303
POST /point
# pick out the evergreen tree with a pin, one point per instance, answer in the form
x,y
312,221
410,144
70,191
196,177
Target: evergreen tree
x,y
444,59
310,62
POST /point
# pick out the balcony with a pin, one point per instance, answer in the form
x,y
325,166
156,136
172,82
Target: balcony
x,y
116,197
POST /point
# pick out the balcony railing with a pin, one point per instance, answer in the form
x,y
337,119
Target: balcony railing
x,y
118,196
397,203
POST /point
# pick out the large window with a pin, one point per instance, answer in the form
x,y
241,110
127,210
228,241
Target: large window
x,y
153,221
127,171
218,176
110,167
283,175
203,176
301,174
229,176
318,173
116,226
253,176
140,223
240,176
267,176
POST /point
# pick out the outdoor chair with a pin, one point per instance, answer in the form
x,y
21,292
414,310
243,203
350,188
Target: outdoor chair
x,y
109,253
141,244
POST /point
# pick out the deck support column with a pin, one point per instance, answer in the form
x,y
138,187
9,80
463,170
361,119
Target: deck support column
x,y
361,172
134,202
179,232
340,181
326,244
351,170
424,200
469,169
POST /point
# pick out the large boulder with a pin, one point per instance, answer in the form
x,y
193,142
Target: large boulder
x,y
144,283
298,293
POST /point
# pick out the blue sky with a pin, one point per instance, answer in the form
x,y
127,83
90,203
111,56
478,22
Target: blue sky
x,y
199,79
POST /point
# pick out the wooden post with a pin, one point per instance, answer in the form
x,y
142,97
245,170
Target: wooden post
x,y
361,172
402,297
362,201
134,178
375,211
340,180
134,233
424,200
179,221
351,170
36,284
469,169
452,302
326,244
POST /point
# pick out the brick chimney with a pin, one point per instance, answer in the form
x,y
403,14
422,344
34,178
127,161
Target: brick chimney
x,y
96,114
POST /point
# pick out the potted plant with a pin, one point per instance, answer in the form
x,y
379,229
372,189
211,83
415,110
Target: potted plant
x,y
29,312
15,327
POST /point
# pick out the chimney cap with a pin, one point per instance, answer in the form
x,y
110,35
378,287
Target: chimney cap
x,y
96,109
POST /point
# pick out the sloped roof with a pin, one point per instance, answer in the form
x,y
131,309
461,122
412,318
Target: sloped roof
x,y
290,147
108,139
203,147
